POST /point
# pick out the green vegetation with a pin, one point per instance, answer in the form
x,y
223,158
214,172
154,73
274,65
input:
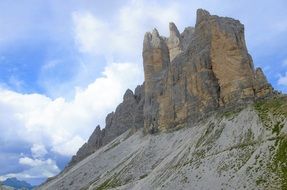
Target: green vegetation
x,y
112,146
260,181
277,128
205,136
230,114
249,136
276,107
279,164
211,134
223,167
273,113
108,184
199,154
213,137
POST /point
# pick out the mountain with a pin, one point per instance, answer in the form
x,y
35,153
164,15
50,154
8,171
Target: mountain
x,y
204,118
17,184
129,114
3,187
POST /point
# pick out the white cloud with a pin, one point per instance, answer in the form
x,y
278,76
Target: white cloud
x,y
32,162
283,80
69,147
60,125
51,64
90,32
37,169
117,38
38,150
123,34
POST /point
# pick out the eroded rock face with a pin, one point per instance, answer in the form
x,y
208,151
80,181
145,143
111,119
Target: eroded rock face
x,y
128,115
174,42
262,87
231,63
200,70
95,142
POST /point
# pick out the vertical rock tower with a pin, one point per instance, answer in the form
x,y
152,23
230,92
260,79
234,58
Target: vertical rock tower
x,y
200,70
187,75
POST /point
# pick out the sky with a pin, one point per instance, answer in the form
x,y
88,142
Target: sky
x,y
64,66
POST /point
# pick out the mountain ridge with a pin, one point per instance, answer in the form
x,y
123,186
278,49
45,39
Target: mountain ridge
x,y
168,103
171,101
17,184
190,79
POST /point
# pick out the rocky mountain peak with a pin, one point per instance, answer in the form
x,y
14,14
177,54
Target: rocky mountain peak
x,y
128,95
259,75
173,30
174,42
155,33
200,80
187,76
201,15
128,115
190,74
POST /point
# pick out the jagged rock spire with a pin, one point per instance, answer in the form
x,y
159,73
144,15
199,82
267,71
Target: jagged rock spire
x,y
128,115
261,85
128,95
174,41
204,68
173,30
201,15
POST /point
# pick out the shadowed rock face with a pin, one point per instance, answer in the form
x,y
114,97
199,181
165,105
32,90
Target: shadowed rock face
x,y
200,70
128,115
262,87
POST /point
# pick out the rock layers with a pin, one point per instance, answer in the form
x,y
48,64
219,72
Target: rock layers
x,y
200,70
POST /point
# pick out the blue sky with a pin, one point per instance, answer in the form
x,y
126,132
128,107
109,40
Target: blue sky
x,y
64,66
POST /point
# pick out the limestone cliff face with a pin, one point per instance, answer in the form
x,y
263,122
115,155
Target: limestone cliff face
x,y
190,74
128,115
187,75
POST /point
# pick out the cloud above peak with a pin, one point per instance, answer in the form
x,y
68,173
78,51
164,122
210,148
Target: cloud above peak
x,y
122,35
